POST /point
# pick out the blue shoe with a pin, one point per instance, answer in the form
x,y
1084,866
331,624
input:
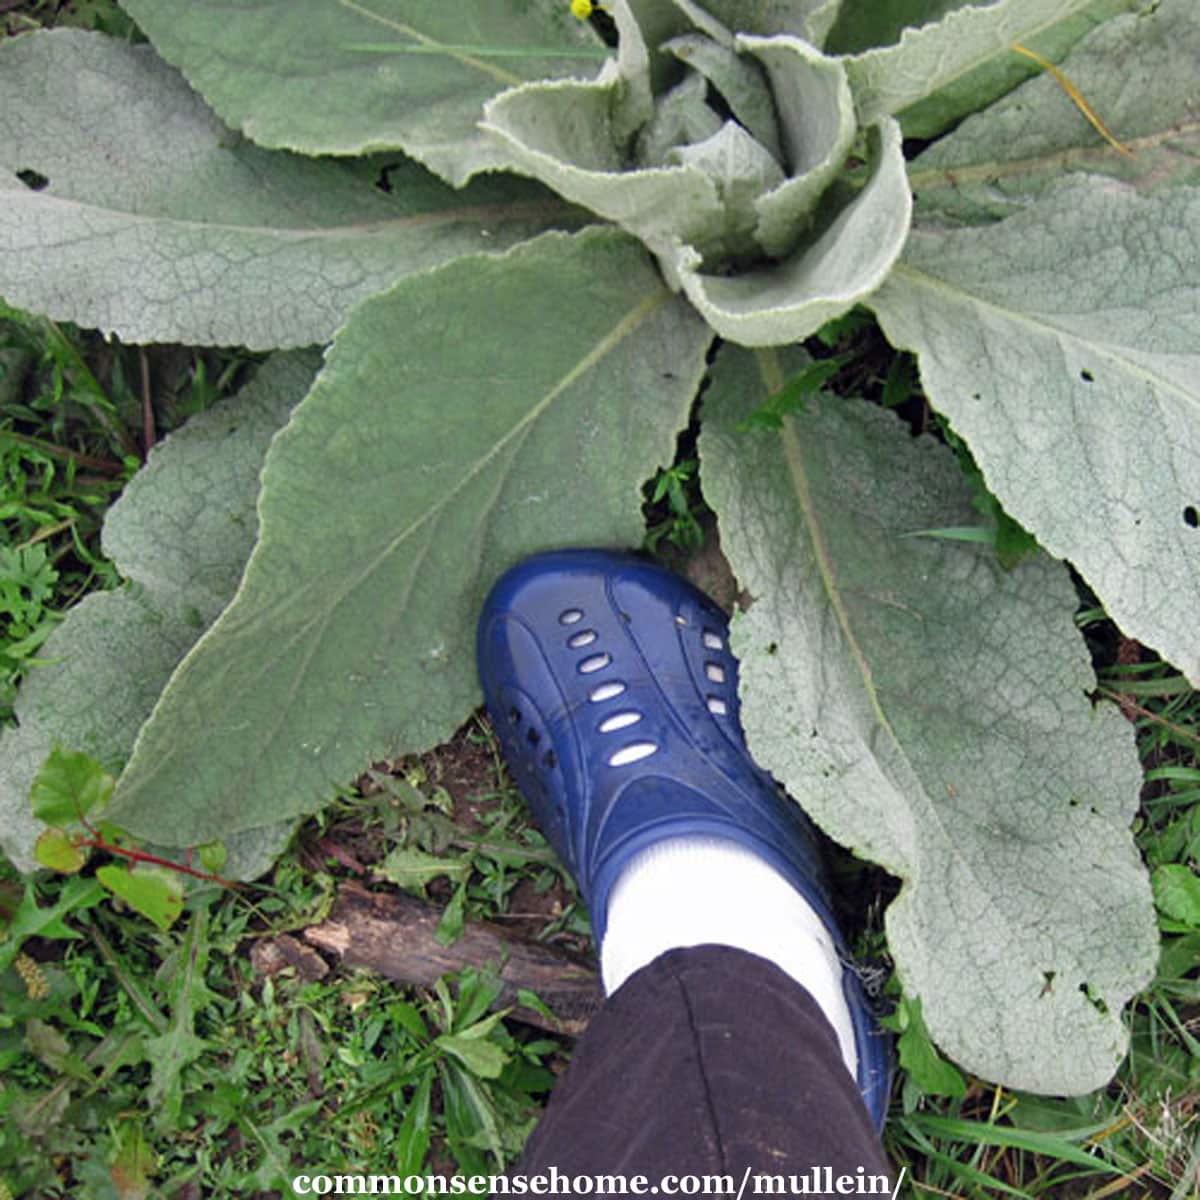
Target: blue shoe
x,y
612,690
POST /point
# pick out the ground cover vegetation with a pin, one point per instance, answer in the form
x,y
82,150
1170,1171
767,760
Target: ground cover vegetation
x,y
916,661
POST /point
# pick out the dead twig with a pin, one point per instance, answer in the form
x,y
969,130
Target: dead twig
x,y
394,933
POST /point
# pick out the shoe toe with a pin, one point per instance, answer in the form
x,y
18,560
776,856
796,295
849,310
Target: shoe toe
x,y
608,676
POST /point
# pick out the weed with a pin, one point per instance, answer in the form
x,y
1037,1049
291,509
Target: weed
x,y
128,1037
675,508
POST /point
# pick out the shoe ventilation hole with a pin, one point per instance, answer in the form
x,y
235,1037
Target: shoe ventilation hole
x,y
717,706
606,691
584,637
621,720
570,615
713,641
514,716
632,753
533,737
596,663
549,760
680,619
714,672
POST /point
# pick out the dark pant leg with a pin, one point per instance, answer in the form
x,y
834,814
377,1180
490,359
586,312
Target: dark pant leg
x,y
709,1060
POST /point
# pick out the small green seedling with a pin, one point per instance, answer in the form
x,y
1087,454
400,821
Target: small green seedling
x,y
70,794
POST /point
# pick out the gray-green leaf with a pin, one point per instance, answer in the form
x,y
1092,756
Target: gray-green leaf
x,y
683,206
468,417
159,224
1002,159
1064,345
182,531
979,87
657,22
929,710
934,56
872,26
807,19
561,133
356,76
681,116
741,83
817,128
742,171
843,264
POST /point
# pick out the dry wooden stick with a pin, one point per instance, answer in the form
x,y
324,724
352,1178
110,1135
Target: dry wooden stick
x,y
393,933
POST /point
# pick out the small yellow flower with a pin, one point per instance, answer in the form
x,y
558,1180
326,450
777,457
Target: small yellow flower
x,y
582,8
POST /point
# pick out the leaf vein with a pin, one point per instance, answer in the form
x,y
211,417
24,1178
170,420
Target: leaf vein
x,y
540,209
933,177
467,60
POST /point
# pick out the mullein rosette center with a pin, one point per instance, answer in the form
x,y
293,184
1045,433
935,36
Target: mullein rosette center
x,y
730,155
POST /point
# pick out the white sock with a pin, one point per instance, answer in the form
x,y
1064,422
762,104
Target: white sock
x,y
697,891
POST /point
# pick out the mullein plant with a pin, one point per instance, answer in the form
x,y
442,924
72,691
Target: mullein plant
x,y
520,246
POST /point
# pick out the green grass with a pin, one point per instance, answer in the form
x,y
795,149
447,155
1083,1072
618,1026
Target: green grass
x,y
227,1082
230,1083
